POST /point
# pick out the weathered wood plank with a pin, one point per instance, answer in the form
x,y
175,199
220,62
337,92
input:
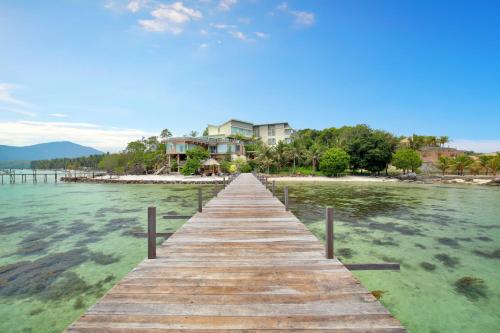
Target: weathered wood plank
x,y
242,263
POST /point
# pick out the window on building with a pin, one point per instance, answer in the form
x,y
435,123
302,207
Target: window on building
x,y
241,131
180,147
222,148
170,146
256,132
271,130
213,149
271,141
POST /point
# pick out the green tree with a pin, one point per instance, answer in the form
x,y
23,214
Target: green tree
x,y
406,159
265,157
314,153
205,131
461,162
484,161
295,152
165,134
334,161
444,163
193,134
443,140
494,164
195,156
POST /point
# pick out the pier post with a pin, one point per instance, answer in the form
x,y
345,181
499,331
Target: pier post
x,y
265,182
151,232
329,233
224,181
274,188
200,200
55,177
45,178
286,197
215,189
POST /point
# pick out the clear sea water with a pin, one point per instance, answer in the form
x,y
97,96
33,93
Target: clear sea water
x,y
62,246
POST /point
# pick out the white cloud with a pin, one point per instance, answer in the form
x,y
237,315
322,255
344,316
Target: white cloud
x,y
136,5
226,4
244,20
241,36
480,146
222,26
170,18
6,95
58,115
261,34
302,18
22,133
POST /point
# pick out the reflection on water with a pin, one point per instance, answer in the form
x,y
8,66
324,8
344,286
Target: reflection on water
x,y
446,238
63,245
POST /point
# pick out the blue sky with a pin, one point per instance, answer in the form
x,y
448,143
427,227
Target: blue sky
x,y
105,72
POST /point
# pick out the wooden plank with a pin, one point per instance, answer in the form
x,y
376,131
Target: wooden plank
x,y
242,263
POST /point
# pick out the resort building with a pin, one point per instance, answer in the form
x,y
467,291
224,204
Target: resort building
x,y
270,134
223,141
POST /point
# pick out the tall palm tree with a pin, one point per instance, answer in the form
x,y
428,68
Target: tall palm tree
x,y
280,154
444,163
314,152
443,140
462,162
483,162
266,157
295,152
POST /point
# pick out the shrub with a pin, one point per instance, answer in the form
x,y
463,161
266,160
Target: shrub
x,y
191,167
334,161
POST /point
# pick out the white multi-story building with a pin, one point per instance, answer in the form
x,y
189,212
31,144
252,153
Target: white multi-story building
x,y
270,134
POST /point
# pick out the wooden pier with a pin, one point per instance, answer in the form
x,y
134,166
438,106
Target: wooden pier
x,y
243,264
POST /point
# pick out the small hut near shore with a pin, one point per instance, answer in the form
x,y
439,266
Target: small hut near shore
x,y
211,167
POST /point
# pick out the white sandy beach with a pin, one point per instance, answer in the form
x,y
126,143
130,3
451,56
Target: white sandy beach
x,y
333,179
162,178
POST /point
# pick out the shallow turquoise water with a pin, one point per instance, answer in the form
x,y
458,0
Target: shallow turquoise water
x,y
63,245
439,234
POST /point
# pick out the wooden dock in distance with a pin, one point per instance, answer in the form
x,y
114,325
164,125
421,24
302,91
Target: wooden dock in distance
x,y
244,264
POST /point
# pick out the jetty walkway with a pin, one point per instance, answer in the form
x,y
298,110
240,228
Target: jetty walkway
x,y
244,264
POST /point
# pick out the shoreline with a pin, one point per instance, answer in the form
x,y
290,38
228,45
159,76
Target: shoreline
x,y
179,179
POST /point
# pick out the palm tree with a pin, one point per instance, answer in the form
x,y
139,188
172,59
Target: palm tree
x,y
444,163
280,153
483,162
265,157
475,168
193,134
461,162
494,164
314,152
295,152
443,140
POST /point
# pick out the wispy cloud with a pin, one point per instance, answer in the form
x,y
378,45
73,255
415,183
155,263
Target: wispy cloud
x,y
301,18
241,36
170,18
7,97
226,5
261,34
97,136
58,115
11,104
136,5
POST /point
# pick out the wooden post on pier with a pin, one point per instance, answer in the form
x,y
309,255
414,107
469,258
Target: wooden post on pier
x,y
224,182
55,176
274,188
265,181
286,197
329,233
200,200
45,178
215,189
151,232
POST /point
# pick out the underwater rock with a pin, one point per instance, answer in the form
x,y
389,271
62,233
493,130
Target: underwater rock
x,y
345,252
471,287
389,241
67,286
30,278
447,260
36,311
491,255
484,238
427,266
103,259
79,304
448,241
423,247
32,247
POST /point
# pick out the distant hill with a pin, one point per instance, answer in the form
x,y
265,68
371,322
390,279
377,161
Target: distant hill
x,y
45,151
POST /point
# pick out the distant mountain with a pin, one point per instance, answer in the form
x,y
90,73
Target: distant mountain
x,y
45,151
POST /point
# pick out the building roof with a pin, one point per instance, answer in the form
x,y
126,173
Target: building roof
x,y
210,162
